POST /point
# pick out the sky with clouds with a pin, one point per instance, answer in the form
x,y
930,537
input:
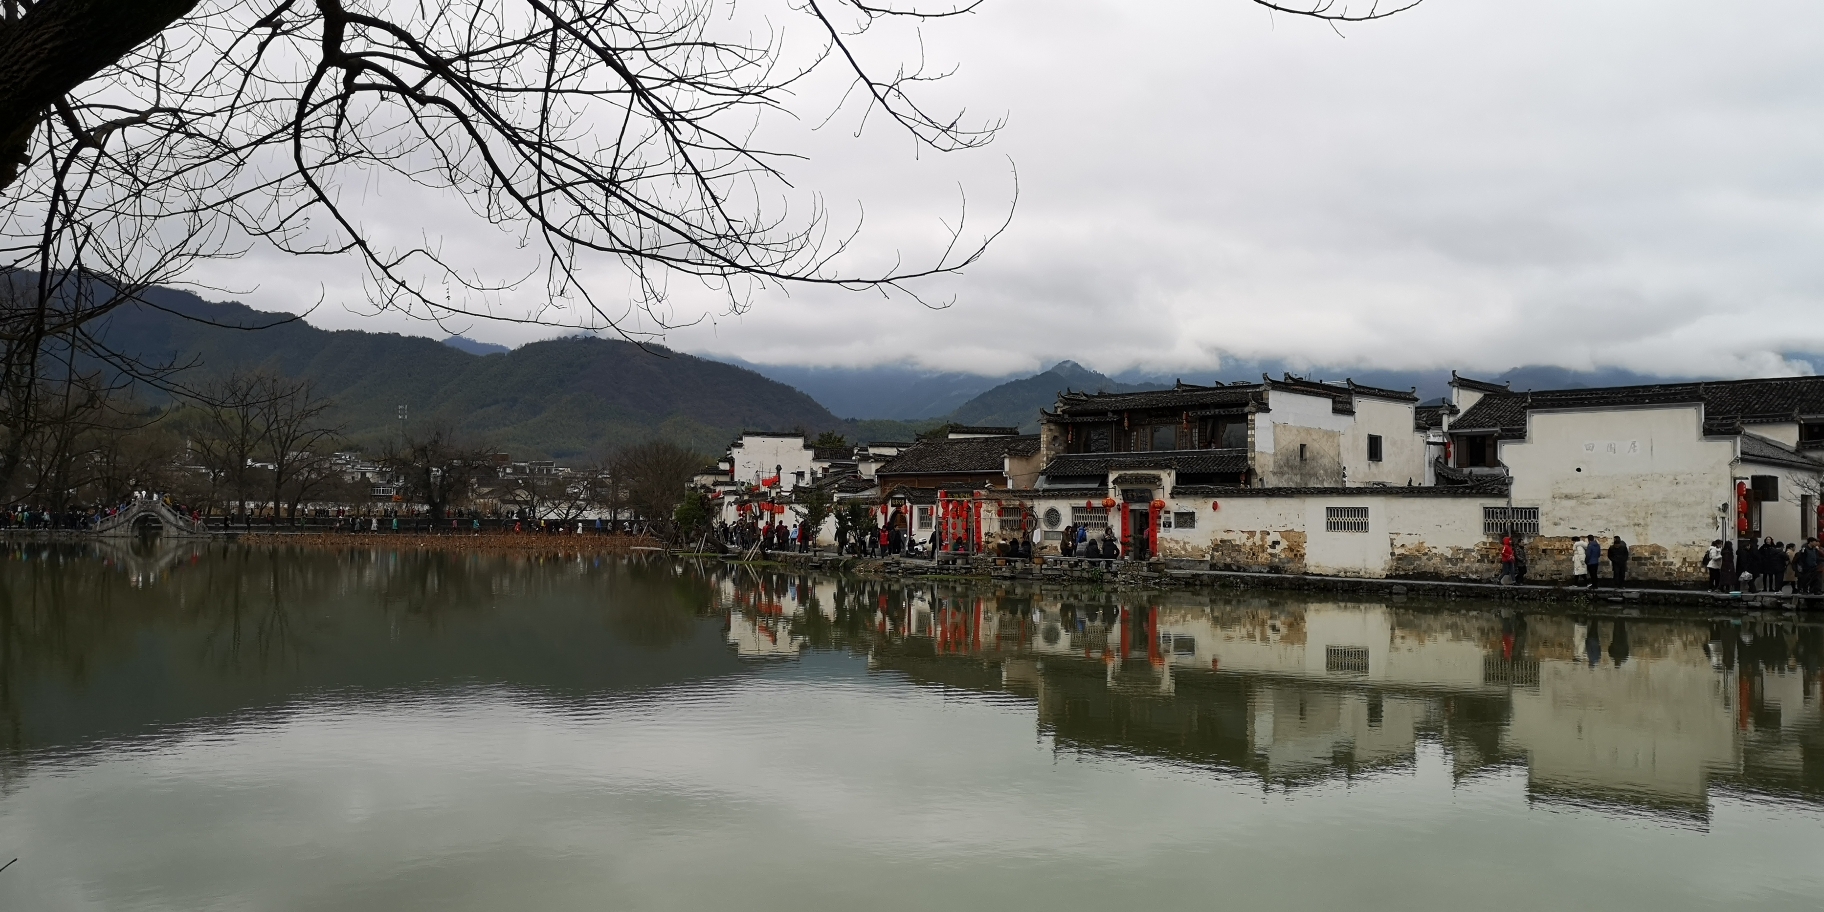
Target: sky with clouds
x,y
1473,184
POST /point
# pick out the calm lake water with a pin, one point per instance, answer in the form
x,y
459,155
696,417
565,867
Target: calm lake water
x,y
227,728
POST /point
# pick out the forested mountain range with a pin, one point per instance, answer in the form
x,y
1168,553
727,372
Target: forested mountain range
x,y
562,398
573,398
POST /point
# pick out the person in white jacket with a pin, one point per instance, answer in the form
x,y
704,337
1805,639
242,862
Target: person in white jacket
x,y
1713,562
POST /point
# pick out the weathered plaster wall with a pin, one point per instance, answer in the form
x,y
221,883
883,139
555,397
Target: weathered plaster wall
x,y
1408,536
1292,419
1646,474
1320,465
1402,450
1023,471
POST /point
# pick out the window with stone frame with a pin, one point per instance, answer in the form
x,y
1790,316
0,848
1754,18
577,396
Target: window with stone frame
x,y
1094,518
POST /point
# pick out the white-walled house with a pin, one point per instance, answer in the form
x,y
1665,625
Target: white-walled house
x,y
1668,467
1290,475
759,455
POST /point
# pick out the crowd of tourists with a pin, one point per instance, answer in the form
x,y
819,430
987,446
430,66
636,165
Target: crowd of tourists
x,y
1771,566
1079,541
30,518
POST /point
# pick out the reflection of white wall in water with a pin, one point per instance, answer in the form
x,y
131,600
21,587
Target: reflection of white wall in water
x,y
1022,675
761,637
1331,642
1344,632
1260,647
1299,731
1784,690
1653,726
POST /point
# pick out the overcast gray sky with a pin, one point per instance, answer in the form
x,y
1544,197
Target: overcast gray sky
x,y
1474,183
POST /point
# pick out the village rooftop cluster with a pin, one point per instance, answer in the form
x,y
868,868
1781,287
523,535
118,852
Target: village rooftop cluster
x,y
1300,476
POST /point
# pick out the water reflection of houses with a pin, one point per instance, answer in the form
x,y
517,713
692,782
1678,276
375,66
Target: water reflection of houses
x,y
1646,714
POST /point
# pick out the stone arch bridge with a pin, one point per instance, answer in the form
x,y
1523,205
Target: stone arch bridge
x,y
143,509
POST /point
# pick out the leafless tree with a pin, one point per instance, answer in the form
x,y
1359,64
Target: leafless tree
x,y
437,468
654,477
561,497
601,139
227,431
628,132
298,441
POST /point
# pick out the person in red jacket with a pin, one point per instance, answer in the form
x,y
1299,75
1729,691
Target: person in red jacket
x,y
1507,559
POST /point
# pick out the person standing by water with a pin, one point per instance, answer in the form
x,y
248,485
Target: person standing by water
x,y
1618,561
1507,561
1729,581
1713,564
1592,559
1771,562
1520,561
1809,562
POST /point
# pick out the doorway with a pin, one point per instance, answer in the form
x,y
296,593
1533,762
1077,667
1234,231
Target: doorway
x,y
1139,523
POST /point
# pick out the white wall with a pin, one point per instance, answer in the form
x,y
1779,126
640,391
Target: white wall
x,y
1783,519
1402,450
760,454
1419,535
1645,474
1786,432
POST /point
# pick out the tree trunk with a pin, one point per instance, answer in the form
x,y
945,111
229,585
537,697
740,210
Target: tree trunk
x,y
55,47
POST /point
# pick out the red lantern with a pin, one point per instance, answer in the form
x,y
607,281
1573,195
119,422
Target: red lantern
x,y
1108,503
1158,504
1215,504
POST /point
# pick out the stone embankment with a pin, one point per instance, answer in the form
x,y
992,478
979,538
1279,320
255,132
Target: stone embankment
x,y
1194,574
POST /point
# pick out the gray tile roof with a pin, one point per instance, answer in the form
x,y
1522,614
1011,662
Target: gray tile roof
x,y
1492,488
1756,448
1187,462
1232,397
1728,404
1185,396
992,431
1428,417
962,456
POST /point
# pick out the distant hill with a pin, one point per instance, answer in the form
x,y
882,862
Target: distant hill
x,y
474,347
892,391
1016,403
562,398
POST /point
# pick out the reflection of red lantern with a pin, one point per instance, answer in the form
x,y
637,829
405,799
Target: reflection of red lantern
x,y
1108,503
